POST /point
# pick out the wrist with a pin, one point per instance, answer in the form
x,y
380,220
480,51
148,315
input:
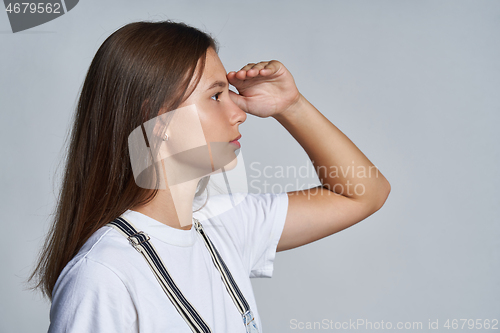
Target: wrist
x,y
292,110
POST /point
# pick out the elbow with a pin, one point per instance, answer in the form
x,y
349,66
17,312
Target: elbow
x,y
382,195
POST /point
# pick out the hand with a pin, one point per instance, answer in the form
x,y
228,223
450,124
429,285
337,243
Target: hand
x,y
265,89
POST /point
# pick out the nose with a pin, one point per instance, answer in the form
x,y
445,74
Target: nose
x,y
237,114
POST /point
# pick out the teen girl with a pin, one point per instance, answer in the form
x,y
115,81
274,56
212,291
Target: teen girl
x,y
95,278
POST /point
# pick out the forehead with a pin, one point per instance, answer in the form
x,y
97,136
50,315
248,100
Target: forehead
x,y
214,70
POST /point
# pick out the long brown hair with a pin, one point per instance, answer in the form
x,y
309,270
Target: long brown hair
x,y
152,62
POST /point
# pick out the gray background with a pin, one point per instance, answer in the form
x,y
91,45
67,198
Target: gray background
x,y
414,84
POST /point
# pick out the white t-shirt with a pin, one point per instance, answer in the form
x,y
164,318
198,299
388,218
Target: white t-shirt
x,y
109,287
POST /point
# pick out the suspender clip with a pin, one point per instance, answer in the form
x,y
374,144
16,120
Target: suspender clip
x,y
135,239
197,225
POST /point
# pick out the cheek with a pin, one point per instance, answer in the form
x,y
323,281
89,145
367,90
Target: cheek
x,y
213,123
186,130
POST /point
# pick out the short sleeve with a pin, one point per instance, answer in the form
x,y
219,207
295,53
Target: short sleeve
x,y
264,218
90,297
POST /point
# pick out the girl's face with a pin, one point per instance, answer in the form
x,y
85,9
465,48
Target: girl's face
x,y
219,116
204,125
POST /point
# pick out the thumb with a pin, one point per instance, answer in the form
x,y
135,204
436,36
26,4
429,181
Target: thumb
x,y
239,100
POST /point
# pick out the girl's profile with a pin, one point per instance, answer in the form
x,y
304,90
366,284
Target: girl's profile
x,y
155,120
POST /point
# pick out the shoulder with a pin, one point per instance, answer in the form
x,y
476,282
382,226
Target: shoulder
x,y
242,214
92,293
254,225
252,207
264,200
245,205
97,260
105,246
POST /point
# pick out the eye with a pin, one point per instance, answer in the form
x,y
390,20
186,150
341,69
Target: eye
x,y
216,96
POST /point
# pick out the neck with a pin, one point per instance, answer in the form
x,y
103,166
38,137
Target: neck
x,y
172,206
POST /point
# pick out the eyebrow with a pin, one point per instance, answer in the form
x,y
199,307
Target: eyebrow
x,y
220,84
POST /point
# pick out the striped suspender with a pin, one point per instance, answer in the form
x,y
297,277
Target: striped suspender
x,y
140,241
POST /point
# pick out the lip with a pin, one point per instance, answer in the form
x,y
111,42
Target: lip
x,y
235,141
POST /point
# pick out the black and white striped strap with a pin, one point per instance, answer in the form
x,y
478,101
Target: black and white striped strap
x,y
140,241
226,276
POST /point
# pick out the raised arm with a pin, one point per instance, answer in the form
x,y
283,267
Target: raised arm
x,y
352,187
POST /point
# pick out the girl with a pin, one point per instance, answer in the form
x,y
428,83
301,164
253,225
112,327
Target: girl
x,y
169,73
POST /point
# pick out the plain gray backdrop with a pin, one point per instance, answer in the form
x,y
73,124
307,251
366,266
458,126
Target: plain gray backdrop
x,y
414,84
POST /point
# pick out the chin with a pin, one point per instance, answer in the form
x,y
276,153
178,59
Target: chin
x,y
228,166
231,165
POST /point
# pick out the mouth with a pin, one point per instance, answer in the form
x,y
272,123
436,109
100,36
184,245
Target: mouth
x,y
235,141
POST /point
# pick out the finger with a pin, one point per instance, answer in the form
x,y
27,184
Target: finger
x,y
236,78
230,76
254,71
247,66
250,70
240,74
238,100
272,67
